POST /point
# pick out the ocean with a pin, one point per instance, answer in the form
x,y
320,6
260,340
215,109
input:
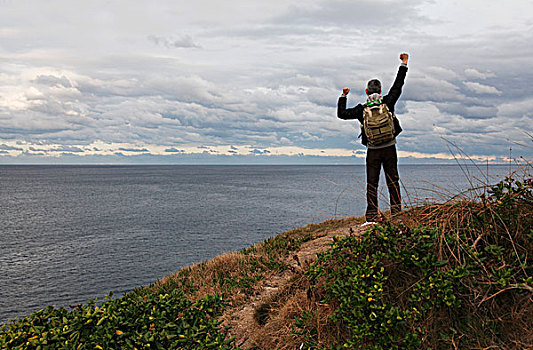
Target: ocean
x,y
73,233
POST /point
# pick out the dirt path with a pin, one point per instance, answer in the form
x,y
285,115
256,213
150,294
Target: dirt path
x,y
243,322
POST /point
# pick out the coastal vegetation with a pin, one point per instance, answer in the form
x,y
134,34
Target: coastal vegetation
x,y
457,274
461,278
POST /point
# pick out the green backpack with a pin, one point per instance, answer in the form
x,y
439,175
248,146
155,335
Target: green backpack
x,y
378,123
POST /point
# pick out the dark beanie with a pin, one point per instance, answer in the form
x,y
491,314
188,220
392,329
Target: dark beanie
x,y
373,86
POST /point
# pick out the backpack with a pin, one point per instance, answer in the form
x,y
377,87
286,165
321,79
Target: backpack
x,y
378,123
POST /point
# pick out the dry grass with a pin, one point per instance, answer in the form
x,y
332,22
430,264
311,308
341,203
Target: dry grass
x,y
240,275
277,315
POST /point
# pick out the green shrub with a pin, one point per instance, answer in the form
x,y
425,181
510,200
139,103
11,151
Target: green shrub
x,y
135,321
464,280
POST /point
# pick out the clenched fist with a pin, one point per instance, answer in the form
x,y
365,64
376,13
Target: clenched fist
x,y
404,57
345,91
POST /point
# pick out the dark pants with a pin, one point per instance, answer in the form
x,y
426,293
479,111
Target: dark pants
x,y
374,159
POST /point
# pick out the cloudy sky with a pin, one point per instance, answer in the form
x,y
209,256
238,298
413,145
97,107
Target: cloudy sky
x,y
241,81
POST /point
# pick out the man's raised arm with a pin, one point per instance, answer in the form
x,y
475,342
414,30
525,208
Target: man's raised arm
x,y
350,113
396,89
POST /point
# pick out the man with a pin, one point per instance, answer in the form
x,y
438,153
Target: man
x,y
379,152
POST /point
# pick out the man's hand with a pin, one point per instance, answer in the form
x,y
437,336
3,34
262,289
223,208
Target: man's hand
x,y
404,57
345,91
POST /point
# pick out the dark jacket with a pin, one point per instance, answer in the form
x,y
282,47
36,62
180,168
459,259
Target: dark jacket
x,y
390,100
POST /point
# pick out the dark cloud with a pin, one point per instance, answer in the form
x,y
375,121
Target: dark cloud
x,y
183,41
469,112
431,89
9,148
71,149
258,151
133,149
174,150
51,80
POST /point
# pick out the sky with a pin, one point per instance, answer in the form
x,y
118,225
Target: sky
x,y
244,81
